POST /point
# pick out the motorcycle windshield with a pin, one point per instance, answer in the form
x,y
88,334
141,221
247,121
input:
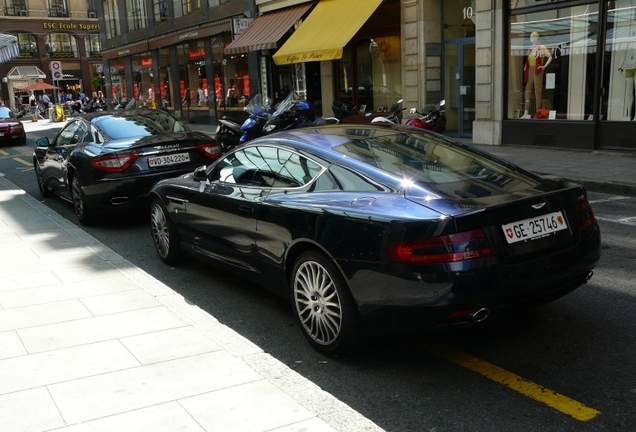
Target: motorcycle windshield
x,y
282,107
259,106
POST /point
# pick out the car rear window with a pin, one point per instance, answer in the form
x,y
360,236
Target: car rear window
x,y
426,159
139,126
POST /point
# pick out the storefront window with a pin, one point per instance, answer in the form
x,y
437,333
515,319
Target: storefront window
x,y
370,73
61,45
619,74
164,77
552,63
118,90
143,88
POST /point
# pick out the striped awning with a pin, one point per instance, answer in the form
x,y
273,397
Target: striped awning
x,y
9,49
266,30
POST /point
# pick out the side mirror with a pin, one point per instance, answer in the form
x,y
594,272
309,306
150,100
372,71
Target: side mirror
x,y
400,101
43,142
442,103
200,174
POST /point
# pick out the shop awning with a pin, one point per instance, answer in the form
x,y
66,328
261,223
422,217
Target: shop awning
x,y
22,72
327,29
9,49
266,30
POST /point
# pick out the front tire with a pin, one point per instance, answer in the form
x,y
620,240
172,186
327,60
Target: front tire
x,y
82,211
323,305
44,191
164,234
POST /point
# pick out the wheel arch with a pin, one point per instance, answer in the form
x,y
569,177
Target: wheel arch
x,y
298,248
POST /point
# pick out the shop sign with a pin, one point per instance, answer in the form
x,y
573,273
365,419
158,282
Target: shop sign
x,y
146,62
239,25
19,84
63,55
198,53
70,26
95,54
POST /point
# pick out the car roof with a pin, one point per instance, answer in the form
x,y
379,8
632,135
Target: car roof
x,y
324,138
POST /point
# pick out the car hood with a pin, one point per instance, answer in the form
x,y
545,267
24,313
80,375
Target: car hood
x,y
155,140
10,122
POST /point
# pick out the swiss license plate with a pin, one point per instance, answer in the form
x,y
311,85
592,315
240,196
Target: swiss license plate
x,y
534,228
172,159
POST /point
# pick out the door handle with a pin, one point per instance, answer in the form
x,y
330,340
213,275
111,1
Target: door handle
x,y
245,208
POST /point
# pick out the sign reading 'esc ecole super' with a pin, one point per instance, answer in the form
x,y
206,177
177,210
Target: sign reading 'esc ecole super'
x,y
70,26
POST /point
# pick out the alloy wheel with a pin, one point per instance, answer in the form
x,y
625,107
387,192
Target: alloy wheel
x,y
317,303
160,232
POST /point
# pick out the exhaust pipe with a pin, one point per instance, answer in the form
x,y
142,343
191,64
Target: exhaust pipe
x,y
478,315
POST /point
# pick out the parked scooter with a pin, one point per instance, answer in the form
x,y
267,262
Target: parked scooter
x,y
395,116
430,118
228,132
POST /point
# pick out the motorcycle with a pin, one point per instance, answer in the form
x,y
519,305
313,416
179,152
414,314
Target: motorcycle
x,y
430,118
228,132
394,117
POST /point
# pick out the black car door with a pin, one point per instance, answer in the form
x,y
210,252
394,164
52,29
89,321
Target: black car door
x,y
223,216
57,154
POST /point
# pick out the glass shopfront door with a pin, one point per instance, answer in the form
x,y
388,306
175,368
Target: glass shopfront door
x,y
459,86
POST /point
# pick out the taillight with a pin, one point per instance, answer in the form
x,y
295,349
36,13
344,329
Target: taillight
x,y
114,163
211,150
443,249
584,215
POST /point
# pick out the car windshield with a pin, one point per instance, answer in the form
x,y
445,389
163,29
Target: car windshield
x,y
6,113
426,159
139,125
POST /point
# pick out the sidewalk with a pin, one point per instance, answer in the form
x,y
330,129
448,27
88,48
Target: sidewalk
x,y
89,342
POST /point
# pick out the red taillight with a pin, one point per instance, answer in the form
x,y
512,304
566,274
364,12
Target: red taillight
x,y
584,215
114,163
211,150
443,249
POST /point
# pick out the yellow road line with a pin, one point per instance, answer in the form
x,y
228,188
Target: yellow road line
x,y
4,153
515,382
22,161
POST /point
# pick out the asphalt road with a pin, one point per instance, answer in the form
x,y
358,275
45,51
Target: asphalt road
x,y
564,367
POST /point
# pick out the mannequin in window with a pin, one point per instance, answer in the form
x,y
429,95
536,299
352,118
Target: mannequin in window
x,y
629,68
538,60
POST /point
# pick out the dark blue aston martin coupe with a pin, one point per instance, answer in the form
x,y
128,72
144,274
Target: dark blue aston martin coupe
x,y
375,227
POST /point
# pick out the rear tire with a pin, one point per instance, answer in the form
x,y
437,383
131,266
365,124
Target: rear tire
x,y
82,211
323,305
164,234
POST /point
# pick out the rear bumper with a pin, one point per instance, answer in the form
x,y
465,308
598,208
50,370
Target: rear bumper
x,y
422,300
124,194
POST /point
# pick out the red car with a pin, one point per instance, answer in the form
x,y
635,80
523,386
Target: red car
x,y
11,128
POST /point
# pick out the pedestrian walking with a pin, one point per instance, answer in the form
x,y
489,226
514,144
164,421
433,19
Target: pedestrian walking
x,y
33,106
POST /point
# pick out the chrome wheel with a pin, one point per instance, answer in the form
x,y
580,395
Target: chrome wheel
x,y
317,303
164,235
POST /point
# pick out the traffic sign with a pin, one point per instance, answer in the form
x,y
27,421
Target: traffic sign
x,y
57,75
56,65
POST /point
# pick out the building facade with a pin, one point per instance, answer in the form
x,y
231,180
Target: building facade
x,y
62,33
538,73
